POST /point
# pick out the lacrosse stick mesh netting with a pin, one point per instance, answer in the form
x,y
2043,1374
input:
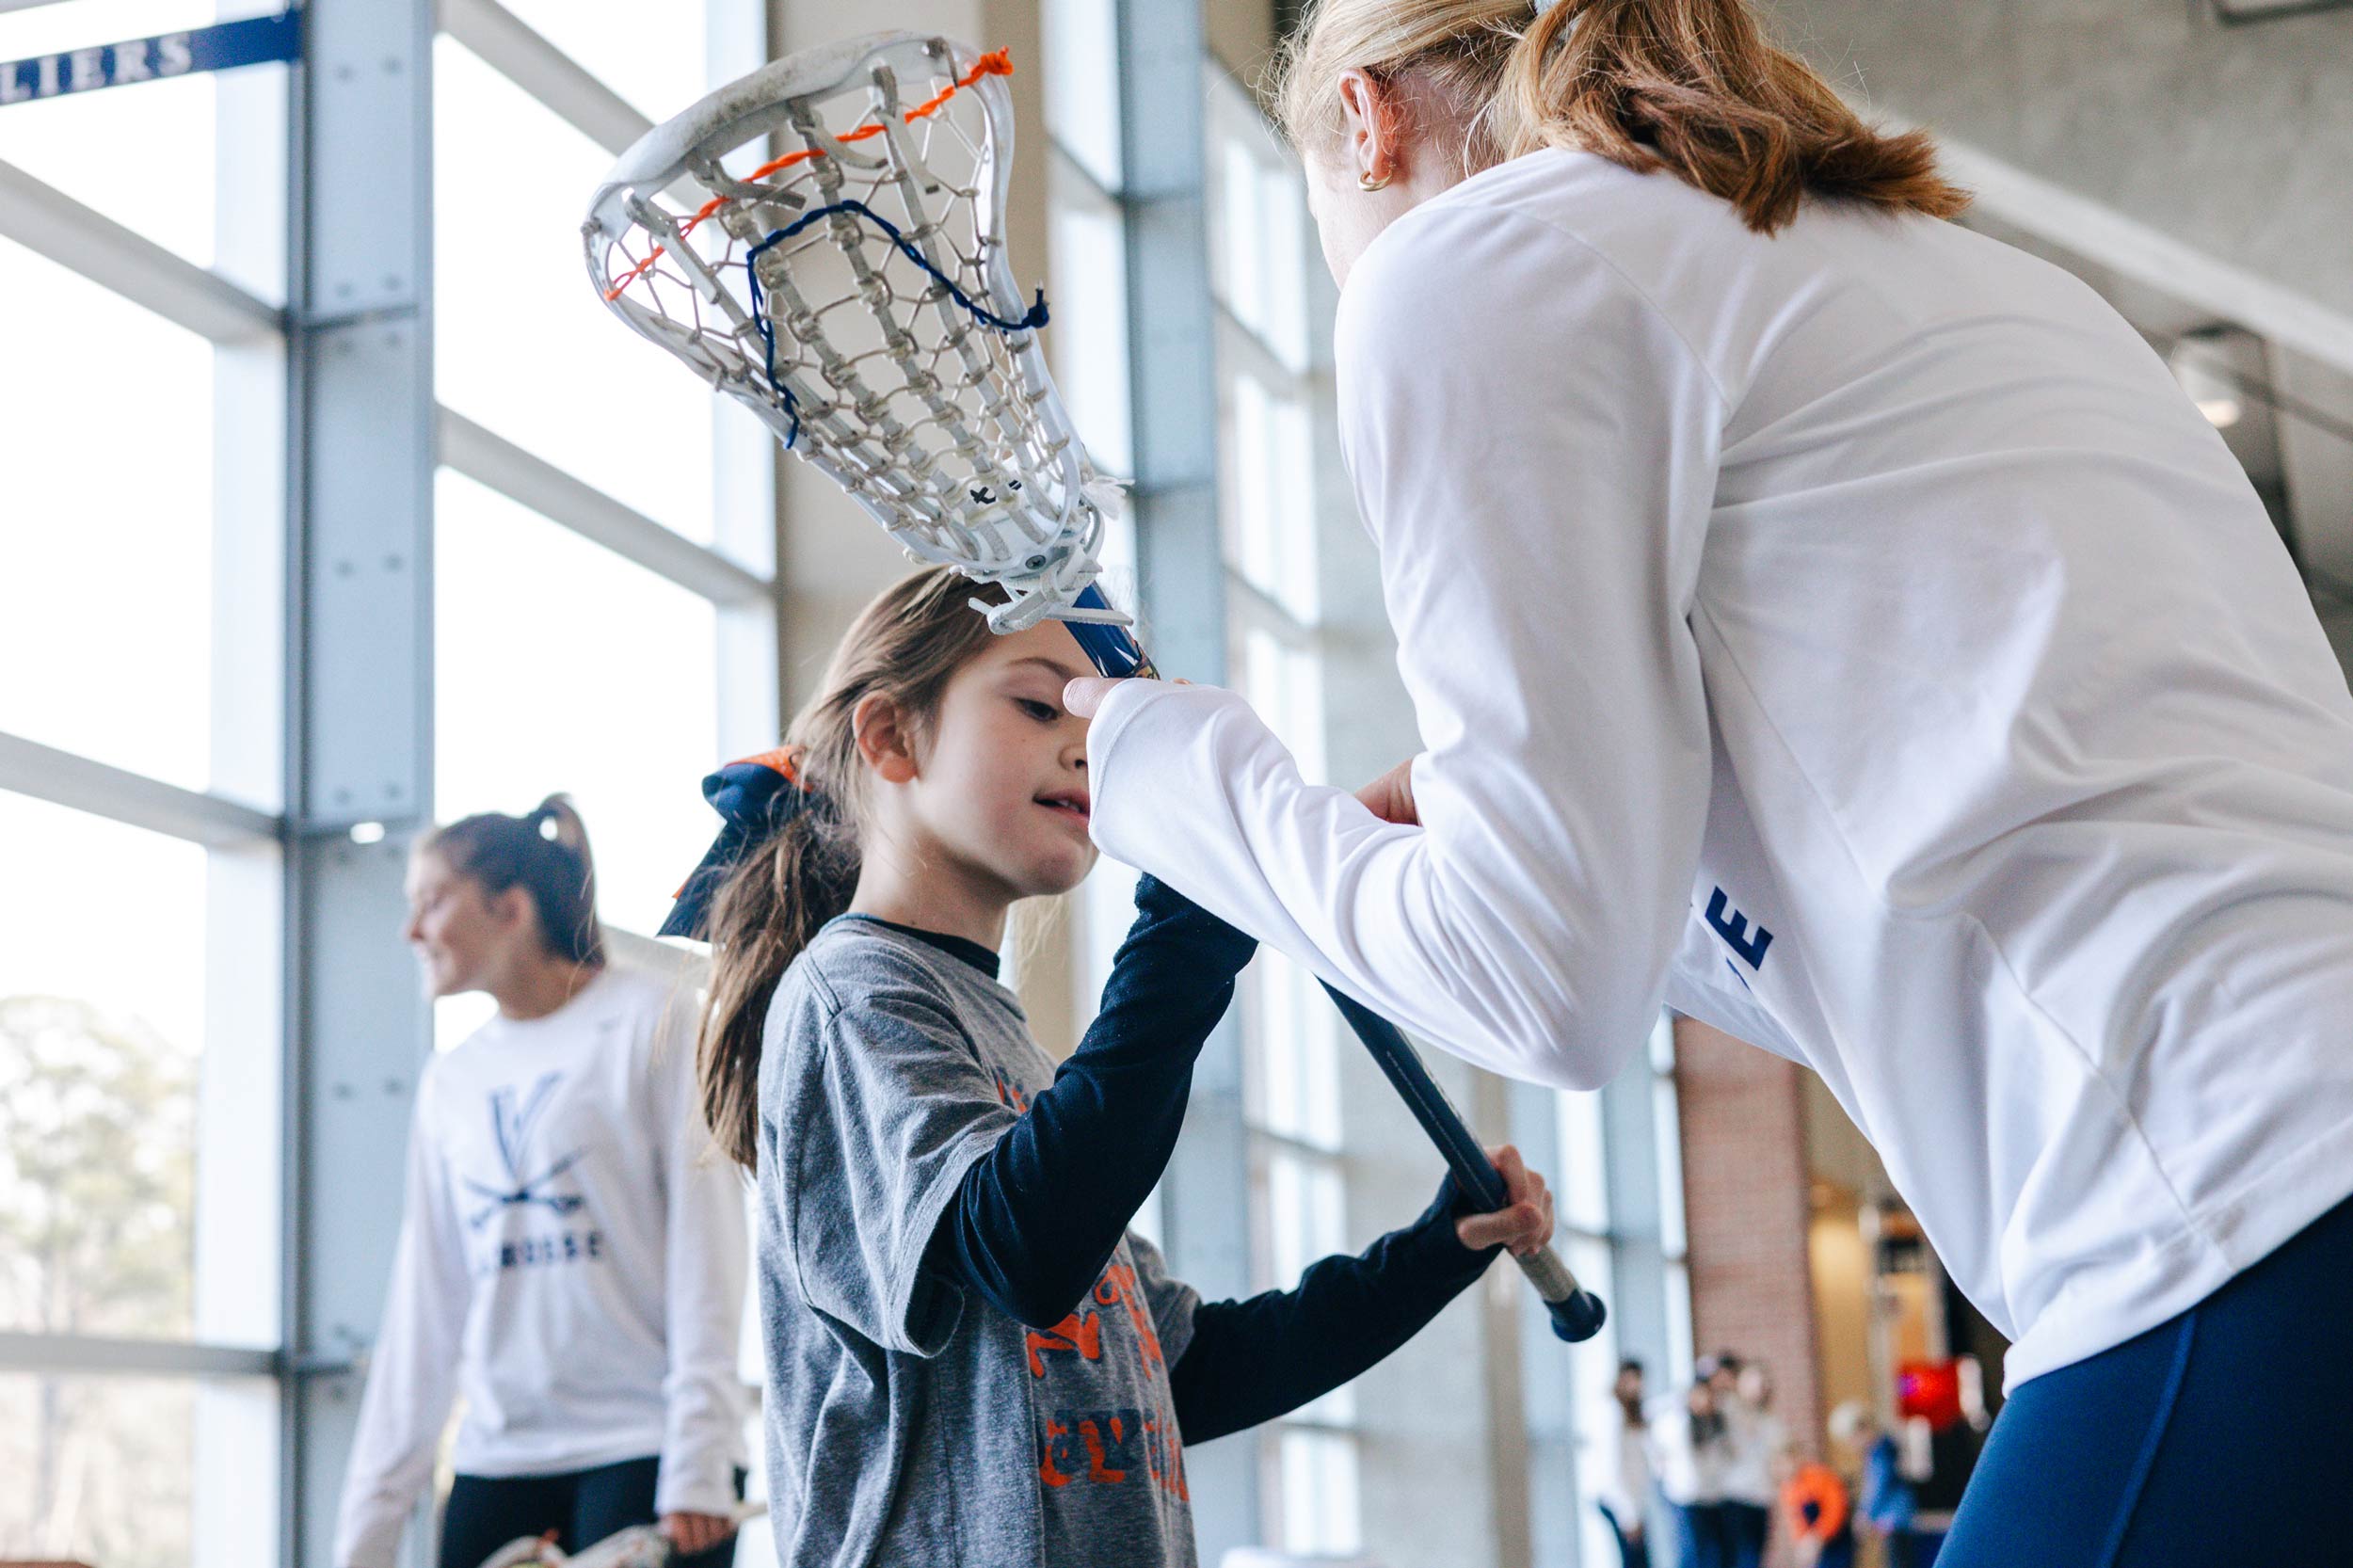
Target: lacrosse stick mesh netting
x,y
824,241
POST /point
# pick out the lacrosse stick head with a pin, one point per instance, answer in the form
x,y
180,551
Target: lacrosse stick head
x,y
824,241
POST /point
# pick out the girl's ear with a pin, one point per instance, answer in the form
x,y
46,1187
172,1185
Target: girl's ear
x,y
513,908
886,742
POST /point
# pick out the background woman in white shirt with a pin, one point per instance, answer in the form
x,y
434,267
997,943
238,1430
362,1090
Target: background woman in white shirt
x,y
1691,1444
571,1256
1839,626
1744,1392
1625,1499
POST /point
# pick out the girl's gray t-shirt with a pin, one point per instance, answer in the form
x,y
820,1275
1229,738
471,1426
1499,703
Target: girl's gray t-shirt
x,y
908,1420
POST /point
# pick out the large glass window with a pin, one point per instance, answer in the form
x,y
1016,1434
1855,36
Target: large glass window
x,y
101,1030
137,1472
658,69
103,1468
1082,85
1311,1501
568,656
142,588
142,584
1089,340
150,155
1581,1235
110,526
558,665
1309,1461
522,345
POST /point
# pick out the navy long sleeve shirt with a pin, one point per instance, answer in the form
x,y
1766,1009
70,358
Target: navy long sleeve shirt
x,y
1035,1220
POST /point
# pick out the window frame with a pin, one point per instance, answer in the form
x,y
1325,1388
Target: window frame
x,y
263,833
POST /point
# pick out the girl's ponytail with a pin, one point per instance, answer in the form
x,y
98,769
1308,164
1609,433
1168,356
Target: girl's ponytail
x,y
767,910
802,868
545,854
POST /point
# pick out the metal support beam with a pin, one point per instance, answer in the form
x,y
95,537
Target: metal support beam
x,y
1181,584
29,768
52,1353
359,741
511,48
1172,352
2102,235
50,223
530,481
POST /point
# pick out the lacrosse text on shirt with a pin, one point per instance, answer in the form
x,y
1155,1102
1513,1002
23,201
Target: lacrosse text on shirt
x,y
529,1181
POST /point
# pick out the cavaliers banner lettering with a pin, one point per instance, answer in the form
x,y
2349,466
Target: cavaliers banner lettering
x,y
223,46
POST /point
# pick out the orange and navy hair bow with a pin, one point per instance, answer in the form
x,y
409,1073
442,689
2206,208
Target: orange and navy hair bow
x,y
755,796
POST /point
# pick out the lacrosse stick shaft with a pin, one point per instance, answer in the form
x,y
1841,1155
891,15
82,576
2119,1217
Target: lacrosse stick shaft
x,y
1576,1313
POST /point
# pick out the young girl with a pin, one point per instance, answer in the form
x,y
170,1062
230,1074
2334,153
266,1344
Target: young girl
x,y
970,1359
573,1254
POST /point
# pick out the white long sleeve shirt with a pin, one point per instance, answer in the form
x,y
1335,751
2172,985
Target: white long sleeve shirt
x,y
1689,1473
1754,1438
1854,639
1626,1486
573,1261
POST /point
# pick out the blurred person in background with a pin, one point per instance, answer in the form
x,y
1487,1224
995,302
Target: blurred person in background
x,y
1744,1392
1693,1448
1815,1510
1885,1505
1626,1491
572,1257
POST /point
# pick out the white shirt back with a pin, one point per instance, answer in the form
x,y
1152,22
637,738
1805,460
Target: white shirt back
x,y
1853,637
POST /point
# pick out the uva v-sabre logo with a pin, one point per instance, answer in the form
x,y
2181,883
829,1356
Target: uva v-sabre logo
x,y
512,1122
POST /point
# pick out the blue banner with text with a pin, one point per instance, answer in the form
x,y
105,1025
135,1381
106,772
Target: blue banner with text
x,y
224,46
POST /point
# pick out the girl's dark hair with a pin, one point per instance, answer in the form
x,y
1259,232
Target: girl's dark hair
x,y
1694,88
544,853
904,646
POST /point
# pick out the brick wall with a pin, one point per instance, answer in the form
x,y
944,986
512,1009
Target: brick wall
x,y
1744,1186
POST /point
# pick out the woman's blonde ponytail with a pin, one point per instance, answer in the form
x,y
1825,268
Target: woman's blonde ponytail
x,y
1692,88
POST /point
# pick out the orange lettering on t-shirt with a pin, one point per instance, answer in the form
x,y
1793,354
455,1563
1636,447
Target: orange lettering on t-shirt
x,y
1118,1287
1081,1332
1057,1436
1098,1472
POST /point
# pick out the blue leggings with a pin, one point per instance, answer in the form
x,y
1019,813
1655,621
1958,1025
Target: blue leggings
x,y
2222,1437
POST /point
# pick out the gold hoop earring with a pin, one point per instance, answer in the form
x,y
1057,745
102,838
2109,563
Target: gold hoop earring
x,y
1366,182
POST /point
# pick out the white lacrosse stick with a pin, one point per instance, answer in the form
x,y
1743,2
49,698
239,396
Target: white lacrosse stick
x,y
638,1546
853,292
